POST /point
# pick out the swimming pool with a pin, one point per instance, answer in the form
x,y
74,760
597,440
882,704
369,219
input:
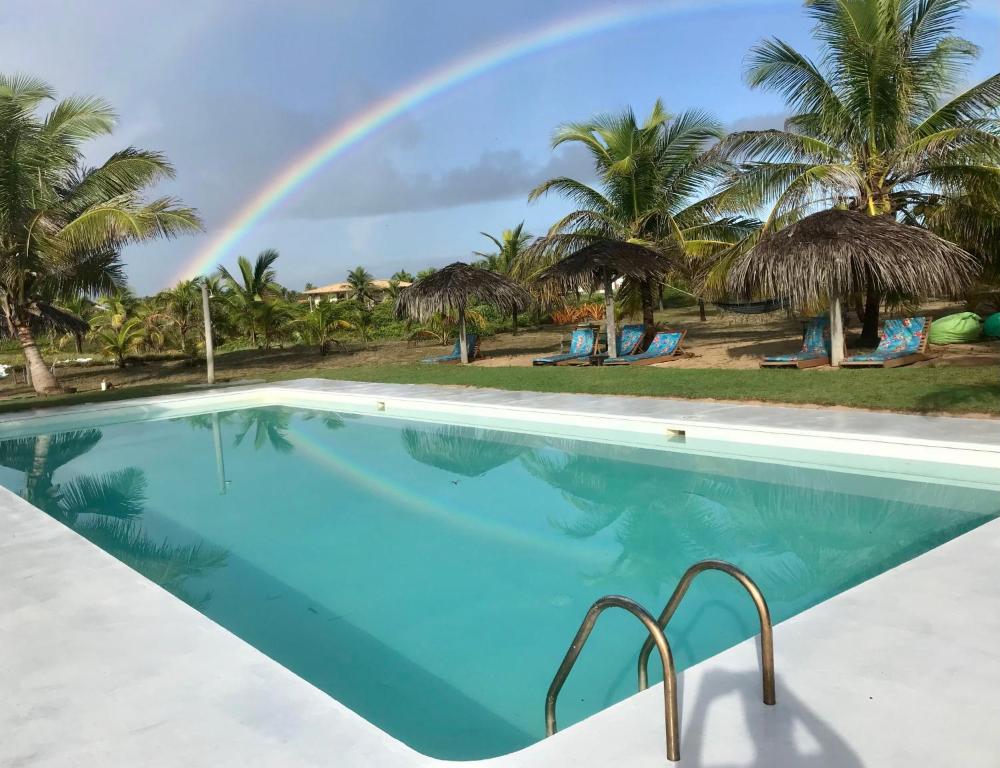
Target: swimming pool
x,y
430,576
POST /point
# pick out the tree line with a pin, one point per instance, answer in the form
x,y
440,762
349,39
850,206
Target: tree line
x,y
878,123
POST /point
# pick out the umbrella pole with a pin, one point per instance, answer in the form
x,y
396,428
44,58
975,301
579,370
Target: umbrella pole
x,y
836,332
609,315
463,343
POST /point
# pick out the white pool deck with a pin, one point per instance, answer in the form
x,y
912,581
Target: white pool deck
x,y
99,667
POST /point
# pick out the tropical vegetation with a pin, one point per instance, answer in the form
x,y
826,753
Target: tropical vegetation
x,y
878,124
881,122
63,224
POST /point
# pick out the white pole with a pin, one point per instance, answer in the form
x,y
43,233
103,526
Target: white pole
x,y
836,332
209,346
463,343
609,315
220,460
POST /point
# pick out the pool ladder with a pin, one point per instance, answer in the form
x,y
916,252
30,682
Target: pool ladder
x,y
657,638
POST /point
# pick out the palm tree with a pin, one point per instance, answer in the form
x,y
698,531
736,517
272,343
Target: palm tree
x,y
256,285
652,187
874,127
318,325
122,341
509,259
402,276
362,286
62,224
182,307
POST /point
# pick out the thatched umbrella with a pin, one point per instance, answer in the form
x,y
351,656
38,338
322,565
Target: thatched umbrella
x,y
453,288
835,253
599,265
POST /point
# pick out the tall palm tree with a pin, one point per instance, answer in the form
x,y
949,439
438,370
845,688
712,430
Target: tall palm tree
x,y
652,187
362,286
255,285
874,125
509,258
62,224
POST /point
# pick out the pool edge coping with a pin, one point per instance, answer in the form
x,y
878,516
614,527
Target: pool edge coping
x,y
413,757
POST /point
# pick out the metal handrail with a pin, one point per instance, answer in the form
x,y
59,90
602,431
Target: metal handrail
x,y
766,633
656,637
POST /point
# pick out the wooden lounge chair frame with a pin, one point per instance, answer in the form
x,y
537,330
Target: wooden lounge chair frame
x,y
813,362
895,362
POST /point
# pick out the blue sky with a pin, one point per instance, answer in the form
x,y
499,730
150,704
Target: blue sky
x,y
233,90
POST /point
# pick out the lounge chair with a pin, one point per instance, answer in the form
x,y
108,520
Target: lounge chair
x,y
581,347
455,356
901,342
815,348
665,346
629,339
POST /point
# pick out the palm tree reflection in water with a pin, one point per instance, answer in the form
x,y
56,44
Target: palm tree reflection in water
x,y
107,509
801,541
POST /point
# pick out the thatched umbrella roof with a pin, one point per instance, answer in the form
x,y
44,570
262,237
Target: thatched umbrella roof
x,y
598,265
591,264
455,287
835,253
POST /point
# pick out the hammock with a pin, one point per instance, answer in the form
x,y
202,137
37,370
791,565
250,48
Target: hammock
x,y
753,307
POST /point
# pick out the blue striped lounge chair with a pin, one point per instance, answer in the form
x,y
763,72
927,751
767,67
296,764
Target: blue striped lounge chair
x,y
455,356
665,346
581,347
901,342
815,348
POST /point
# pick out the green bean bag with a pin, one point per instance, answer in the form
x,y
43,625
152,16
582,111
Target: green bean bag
x,y
991,327
963,328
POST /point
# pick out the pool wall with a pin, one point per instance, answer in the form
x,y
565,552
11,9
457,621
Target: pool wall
x,y
101,667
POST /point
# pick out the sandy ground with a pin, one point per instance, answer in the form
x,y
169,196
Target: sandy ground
x,y
740,341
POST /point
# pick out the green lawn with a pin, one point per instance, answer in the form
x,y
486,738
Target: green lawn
x,y
947,389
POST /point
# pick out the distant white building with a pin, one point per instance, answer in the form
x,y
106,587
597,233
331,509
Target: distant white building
x,y
341,291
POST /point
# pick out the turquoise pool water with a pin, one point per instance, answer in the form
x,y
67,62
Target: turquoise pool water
x,y
430,577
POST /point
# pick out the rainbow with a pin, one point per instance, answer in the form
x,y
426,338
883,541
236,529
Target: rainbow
x,y
380,113
335,456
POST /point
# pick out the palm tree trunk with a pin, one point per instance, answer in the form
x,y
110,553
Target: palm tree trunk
x,y
78,338
42,379
513,323
869,328
660,294
646,296
609,315
701,310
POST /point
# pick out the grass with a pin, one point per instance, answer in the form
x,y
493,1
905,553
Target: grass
x,y
954,390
